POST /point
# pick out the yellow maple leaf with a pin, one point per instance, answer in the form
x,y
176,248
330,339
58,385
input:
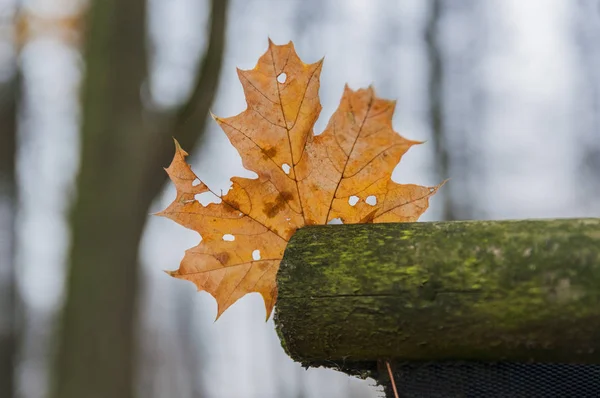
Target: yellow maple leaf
x,y
303,179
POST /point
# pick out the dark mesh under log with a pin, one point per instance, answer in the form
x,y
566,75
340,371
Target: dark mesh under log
x,y
495,380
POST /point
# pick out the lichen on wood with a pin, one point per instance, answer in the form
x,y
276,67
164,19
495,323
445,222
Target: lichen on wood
x,y
473,290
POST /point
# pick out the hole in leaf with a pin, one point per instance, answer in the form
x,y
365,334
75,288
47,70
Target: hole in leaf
x,y
281,78
286,168
206,198
228,237
256,255
371,200
335,221
431,189
196,182
353,200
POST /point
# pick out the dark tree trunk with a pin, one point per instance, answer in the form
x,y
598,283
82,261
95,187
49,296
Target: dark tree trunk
x,y
435,88
96,348
120,174
9,98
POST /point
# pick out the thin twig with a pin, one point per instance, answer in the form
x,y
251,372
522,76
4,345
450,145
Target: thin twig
x,y
389,368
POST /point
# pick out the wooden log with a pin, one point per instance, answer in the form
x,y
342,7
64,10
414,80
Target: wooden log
x,y
525,291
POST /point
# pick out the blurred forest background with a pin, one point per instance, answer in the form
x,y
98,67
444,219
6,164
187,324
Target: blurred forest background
x,y
505,92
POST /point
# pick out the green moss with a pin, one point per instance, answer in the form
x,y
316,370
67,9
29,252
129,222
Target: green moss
x,y
431,291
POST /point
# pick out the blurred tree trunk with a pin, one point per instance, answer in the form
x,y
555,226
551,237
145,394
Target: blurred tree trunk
x,y
586,28
456,101
95,357
119,176
9,99
436,101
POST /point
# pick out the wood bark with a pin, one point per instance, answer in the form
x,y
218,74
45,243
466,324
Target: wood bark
x,y
350,295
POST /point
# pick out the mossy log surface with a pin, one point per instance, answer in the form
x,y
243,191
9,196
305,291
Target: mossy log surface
x,y
526,291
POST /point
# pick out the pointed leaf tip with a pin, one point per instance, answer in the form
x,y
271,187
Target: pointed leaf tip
x,y
177,146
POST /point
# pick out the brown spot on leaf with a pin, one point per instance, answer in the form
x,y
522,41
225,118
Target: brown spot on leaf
x,y
285,197
271,209
222,257
269,153
233,206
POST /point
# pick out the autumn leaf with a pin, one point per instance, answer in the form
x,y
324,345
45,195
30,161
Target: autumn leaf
x,y
303,179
